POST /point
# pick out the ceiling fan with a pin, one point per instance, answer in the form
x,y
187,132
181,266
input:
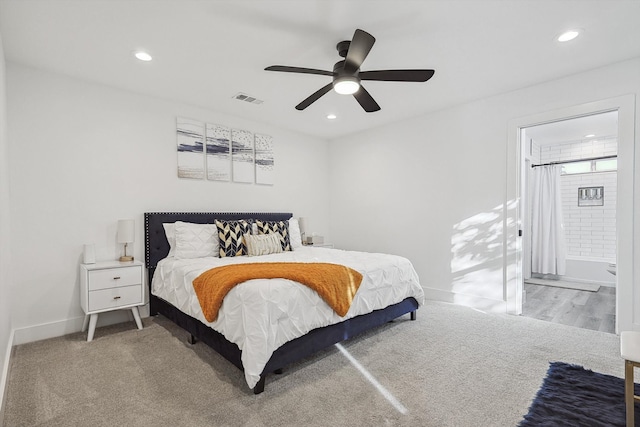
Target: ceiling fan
x,y
347,76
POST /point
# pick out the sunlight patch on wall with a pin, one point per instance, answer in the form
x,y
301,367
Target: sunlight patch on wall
x,y
477,240
484,282
512,226
477,258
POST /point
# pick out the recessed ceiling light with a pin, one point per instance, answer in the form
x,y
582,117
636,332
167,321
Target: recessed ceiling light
x,y
591,135
568,35
142,56
331,116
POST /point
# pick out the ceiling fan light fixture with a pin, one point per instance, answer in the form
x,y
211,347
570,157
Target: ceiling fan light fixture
x,y
346,73
346,85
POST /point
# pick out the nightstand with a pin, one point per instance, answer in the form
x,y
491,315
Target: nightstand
x,y
321,245
107,286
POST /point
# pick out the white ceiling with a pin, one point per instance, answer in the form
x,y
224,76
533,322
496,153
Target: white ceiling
x,y
207,51
600,125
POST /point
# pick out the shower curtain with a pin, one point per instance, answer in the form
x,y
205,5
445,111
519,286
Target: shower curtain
x,y
548,251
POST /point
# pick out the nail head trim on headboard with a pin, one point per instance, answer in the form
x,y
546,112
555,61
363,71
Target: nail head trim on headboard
x,y
156,244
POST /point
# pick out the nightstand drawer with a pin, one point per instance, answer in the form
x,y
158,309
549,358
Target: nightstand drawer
x,y
115,297
114,277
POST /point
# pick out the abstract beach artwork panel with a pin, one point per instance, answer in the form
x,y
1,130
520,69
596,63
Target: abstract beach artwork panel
x,y
264,159
218,151
242,156
190,142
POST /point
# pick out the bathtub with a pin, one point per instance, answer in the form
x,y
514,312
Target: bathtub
x,y
589,271
585,271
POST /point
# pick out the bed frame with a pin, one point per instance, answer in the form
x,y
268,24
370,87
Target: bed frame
x,y
157,248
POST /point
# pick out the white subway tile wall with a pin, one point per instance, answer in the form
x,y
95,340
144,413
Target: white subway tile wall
x,y
590,231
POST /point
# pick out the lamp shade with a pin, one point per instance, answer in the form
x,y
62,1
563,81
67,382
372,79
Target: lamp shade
x,y
302,222
126,230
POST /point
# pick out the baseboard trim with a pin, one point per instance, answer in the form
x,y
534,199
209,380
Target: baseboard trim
x,y
473,301
4,379
44,331
59,328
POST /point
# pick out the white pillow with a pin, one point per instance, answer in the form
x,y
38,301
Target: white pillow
x,y
170,232
196,240
294,234
263,244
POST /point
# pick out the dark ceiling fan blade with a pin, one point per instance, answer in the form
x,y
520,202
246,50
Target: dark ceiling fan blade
x,y
366,100
397,75
359,48
300,70
314,97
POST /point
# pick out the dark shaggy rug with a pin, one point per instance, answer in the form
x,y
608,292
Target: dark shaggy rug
x,y
573,396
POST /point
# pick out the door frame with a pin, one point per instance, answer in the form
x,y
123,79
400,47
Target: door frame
x,y
513,244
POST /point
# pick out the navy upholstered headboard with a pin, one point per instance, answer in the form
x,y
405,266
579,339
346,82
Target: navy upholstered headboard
x,y
156,244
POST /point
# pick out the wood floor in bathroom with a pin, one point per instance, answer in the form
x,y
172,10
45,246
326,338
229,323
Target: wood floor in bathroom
x,y
582,309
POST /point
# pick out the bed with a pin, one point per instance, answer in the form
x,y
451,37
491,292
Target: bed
x,y
170,280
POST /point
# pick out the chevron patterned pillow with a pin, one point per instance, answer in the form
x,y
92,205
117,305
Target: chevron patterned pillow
x,y
230,237
280,227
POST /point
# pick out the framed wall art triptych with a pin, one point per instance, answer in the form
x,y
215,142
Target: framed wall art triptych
x,y
219,153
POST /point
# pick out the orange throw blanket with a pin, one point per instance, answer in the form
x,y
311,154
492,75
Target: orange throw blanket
x,y
336,284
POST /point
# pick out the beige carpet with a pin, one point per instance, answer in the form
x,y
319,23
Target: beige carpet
x,y
454,366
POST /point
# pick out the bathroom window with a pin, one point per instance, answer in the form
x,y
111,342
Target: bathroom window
x,y
577,167
604,165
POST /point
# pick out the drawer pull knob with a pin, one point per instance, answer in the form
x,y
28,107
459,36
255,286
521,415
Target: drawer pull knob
x,y
116,297
116,278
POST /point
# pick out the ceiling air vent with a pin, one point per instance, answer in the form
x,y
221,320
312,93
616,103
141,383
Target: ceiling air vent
x,y
247,98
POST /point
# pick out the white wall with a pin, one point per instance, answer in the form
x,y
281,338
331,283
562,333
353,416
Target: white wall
x,y
5,245
84,156
434,188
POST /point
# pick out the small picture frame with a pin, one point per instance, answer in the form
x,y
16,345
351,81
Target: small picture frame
x,y
591,196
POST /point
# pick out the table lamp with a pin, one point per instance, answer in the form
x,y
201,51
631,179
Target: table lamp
x,y
126,235
302,222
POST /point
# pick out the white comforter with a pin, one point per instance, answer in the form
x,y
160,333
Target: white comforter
x,y
261,315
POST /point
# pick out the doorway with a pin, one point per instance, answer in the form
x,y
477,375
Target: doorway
x,y
569,174
514,246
